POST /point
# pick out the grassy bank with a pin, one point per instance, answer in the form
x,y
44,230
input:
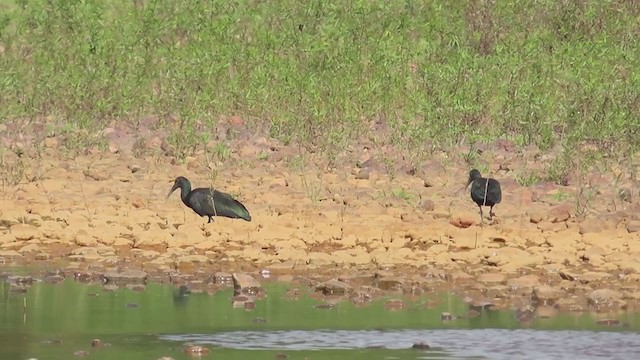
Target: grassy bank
x,y
437,72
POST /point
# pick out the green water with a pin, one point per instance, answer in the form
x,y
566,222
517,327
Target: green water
x,y
60,319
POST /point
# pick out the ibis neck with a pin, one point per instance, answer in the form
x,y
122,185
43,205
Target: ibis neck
x,y
185,189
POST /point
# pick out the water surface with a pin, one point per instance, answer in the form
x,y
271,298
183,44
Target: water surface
x,y
54,321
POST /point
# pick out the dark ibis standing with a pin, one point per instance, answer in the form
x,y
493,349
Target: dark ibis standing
x,y
484,191
209,202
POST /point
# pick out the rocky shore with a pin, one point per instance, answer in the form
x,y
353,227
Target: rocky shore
x,y
372,221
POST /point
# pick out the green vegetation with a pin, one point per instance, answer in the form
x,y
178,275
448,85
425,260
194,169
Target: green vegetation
x,y
438,72
402,193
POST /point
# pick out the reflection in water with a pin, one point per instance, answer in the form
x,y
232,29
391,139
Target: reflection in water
x,y
181,295
487,343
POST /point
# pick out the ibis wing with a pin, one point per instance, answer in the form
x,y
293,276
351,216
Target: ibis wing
x,y
216,203
495,193
486,192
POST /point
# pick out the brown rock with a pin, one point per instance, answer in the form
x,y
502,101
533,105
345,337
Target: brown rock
x,y
245,284
120,241
194,165
491,278
334,287
511,257
95,174
50,229
568,275
134,168
51,142
594,251
559,213
29,248
526,281
535,216
128,276
546,295
151,238
207,244
23,232
282,268
462,222
463,240
192,234
363,174
547,226
461,276
195,258
43,256
605,299
568,304
592,276
426,205
546,312
633,226
389,283
591,226
284,254
83,238
9,254
320,258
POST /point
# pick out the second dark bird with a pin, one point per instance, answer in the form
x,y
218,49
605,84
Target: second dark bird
x,y
484,191
209,202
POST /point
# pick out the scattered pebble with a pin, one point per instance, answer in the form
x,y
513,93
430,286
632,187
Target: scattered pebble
x,y
196,350
81,353
325,306
609,322
421,346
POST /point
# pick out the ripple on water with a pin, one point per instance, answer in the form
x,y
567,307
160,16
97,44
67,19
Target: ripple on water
x,y
488,343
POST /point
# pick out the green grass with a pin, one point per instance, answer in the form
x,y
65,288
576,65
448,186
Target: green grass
x,y
438,72
401,193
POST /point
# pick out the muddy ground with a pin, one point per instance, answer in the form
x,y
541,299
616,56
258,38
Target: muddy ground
x,y
374,220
